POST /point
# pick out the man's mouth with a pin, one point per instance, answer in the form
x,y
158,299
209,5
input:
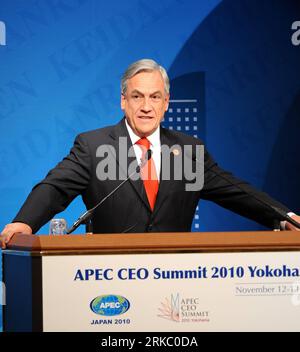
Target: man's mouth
x,y
145,117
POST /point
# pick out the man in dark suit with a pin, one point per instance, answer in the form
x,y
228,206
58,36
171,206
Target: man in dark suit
x,y
148,203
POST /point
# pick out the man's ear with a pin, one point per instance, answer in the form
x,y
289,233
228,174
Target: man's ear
x,y
123,102
167,100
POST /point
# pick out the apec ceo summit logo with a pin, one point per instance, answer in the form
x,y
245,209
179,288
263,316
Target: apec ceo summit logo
x,y
2,33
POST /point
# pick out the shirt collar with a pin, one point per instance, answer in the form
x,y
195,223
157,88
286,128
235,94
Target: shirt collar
x,y
154,138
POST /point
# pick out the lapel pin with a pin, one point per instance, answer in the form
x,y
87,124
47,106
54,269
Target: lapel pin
x,y
176,152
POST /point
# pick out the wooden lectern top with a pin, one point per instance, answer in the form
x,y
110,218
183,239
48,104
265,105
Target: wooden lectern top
x,y
157,242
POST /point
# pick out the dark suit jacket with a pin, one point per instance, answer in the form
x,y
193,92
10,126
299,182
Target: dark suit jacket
x,y
128,209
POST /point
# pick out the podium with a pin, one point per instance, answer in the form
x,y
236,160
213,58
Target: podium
x,y
228,281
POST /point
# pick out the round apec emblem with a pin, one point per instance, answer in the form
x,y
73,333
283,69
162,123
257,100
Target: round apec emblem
x,y
110,305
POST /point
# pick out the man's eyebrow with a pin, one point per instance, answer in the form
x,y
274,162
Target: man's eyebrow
x,y
157,92
135,91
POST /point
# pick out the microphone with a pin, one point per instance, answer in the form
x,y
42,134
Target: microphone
x,y
283,216
86,216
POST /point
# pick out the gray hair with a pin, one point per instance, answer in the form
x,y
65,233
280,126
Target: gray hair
x,y
144,65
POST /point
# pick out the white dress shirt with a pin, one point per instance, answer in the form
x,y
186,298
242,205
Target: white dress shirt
x,y
155,147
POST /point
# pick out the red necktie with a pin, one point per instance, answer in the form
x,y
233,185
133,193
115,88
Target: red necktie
x,y
148,173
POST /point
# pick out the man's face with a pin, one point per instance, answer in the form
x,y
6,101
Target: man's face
x,y
145,102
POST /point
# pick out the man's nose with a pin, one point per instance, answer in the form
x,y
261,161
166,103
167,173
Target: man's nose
x,y
146,105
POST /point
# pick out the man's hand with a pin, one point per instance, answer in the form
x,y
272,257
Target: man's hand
x,y
11,229
289,226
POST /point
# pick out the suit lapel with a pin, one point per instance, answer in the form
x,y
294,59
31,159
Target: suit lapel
x,y
118,131
165,186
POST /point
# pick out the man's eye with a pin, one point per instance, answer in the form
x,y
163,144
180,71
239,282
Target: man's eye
x,y
156,97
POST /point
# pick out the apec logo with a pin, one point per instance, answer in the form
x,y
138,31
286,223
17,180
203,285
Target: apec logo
x,y
2,33
110,305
